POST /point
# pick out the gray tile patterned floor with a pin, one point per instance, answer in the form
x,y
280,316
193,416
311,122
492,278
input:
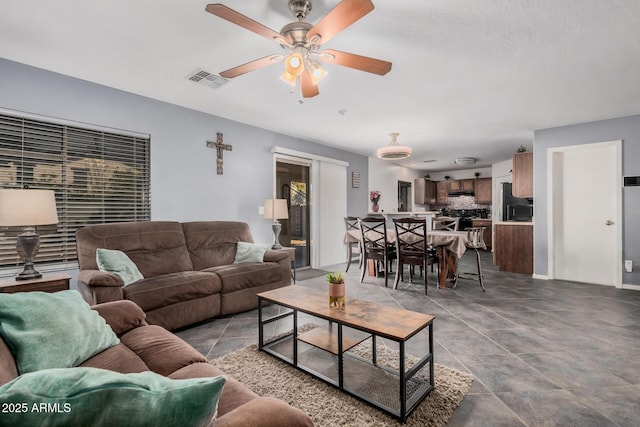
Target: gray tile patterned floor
x,y
543,353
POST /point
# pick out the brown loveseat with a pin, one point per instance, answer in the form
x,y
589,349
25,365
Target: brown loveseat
x,y
188,269
151,348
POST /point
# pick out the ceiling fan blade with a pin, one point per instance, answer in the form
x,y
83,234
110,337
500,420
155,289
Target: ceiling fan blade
x,y
250,66
234,17
309,90
340,17
351,60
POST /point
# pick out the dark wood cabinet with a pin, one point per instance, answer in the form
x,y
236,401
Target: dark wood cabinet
x,y
442,193
513,247
523,175
424,192
461,185
488,232
483,191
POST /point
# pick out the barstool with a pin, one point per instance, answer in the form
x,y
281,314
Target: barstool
x,y
475,242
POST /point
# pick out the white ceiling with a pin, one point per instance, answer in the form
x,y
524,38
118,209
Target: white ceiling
x,y
470,78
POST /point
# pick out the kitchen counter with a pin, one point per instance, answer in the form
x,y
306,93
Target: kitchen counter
x,y
513,223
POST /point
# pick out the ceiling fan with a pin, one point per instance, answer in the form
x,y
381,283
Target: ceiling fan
x,y
302,42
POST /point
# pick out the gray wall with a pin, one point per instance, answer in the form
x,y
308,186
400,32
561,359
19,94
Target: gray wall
x,y
184,183
626,129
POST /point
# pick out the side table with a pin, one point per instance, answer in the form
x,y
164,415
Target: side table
x,y
292,257
53,282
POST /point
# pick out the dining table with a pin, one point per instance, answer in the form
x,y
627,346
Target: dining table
x,y
451,245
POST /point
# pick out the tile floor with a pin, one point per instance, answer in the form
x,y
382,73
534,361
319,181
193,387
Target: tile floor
x,y
543,353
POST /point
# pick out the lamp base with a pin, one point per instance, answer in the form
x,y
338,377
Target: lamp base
x,y
276,226
28,242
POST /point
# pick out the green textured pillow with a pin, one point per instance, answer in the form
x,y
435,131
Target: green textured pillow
x,y
52,330
117,262
250,252
98,397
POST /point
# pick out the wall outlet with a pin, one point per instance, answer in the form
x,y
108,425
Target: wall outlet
x,y
261,210
628,265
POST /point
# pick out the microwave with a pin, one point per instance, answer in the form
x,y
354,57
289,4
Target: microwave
x,y
519,212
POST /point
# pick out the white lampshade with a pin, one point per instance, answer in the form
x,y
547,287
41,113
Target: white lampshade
x,y
25,208
275,209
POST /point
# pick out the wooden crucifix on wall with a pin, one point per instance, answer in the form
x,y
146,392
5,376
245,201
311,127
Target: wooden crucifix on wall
x,y
220,147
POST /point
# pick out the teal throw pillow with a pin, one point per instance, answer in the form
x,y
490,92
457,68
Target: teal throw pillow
x,y
98,397
250,252
52,330
117,262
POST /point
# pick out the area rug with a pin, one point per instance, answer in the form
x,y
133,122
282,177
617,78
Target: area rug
x,y
310,273
328,406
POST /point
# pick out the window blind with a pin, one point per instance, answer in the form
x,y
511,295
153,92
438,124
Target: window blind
x,y
99,176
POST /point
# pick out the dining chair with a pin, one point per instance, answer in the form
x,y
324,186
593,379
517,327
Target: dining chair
x,y
375,246
352,242
475,241
411,248
446,223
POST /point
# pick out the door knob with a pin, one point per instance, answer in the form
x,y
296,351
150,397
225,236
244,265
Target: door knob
x,y
609,222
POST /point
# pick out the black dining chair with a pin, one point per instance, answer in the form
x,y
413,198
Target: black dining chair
x,y
375,247
475,236
412,248
352,242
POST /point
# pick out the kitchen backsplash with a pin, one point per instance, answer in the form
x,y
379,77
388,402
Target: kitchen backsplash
x,y
462,202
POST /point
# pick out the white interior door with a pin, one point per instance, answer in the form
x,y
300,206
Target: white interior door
x,y
332,201
585,213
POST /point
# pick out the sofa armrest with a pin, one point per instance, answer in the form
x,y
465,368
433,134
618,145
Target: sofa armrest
x,y
265,412
122,316
99,278
274,255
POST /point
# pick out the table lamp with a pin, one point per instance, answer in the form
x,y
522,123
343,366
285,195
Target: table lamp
x,y
28,208
276,209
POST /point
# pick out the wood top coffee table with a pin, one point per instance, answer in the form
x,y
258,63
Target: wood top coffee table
x,y
324,351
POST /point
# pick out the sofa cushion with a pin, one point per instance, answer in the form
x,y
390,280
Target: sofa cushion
x,y
118,263
213,243
79,396
250,252
154,292
235,277
118,358
52,330
160,350
156,247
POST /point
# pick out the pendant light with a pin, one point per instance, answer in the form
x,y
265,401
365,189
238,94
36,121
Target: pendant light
x,y
394,151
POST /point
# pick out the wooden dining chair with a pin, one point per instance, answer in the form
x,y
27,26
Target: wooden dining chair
x,y
353,243
446,223
411,248
375,247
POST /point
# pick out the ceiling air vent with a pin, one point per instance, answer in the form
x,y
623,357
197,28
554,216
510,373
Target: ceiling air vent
x,y
206,78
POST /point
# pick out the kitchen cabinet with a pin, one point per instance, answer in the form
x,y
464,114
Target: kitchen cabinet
x,y
523,175
483,191
424,192
513,247
442,193
461,185
488,232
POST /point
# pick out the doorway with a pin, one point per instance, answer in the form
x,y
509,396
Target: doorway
x,y
404,194
585,213
292,184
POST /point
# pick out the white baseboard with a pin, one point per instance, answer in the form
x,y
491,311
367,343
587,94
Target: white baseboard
x,y
540,276
632,287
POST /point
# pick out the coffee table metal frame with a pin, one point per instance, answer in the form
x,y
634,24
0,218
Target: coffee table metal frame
x,y
404,376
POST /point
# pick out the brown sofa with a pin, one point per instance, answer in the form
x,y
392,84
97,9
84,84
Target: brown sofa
x,y
146,347
188,269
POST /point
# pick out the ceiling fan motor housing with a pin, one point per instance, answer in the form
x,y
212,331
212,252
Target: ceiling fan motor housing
x,y
300,8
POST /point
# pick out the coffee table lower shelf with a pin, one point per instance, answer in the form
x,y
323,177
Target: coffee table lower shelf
x,y
396,391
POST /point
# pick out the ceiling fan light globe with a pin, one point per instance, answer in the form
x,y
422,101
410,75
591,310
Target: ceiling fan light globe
x,y
316,71
294,64
288,78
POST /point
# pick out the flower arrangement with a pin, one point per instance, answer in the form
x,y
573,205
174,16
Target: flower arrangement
x,y
374,196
